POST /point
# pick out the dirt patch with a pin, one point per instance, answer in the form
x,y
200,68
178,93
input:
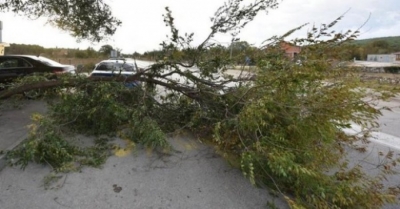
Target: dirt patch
x,y
380,75
383,78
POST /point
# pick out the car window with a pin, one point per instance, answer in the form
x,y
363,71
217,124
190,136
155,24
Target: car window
x,y
9,63
13,62
48,61
114,66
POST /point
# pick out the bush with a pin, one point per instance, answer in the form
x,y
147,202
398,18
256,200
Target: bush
x,y
394,70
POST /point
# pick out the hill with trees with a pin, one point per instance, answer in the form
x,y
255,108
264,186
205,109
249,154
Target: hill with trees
x,y
33,49
56,53
359,49
392,42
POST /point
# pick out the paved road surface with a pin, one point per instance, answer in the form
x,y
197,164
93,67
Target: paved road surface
x,y
387,139
191,177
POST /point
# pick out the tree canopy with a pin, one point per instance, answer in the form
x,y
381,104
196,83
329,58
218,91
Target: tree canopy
x,y
84,19
106,50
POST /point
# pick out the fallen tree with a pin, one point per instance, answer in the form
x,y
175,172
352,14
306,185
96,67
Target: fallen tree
x,y
282,127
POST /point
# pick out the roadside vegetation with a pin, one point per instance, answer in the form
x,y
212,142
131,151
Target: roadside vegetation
x,y
282,127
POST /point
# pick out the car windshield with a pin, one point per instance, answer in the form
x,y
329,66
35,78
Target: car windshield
x,y
49,61
115,66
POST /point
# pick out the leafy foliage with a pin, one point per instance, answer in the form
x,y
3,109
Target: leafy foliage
x,y
286,127
106,50
106,109
46,144
392,69
84,19
385,42
25,49
288,133
55,53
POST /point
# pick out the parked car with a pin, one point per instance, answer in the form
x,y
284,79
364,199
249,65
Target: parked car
x,y
14,66
119,67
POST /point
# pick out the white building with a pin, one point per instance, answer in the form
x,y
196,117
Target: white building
x,y
2,44
381,58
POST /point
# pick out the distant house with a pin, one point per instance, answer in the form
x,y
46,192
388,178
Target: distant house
x,y
291,50
397,54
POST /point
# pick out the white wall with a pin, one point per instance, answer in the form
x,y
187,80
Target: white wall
x,y
381,58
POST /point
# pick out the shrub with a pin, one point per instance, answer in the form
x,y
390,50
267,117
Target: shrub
x,y
394,70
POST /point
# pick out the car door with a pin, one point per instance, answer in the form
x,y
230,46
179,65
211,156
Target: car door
x,y
7,72
13,67
24,67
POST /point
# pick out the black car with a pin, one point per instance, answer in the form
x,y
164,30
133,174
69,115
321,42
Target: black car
x,y
14,66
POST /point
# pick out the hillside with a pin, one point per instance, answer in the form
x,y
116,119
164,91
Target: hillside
x,y
392,41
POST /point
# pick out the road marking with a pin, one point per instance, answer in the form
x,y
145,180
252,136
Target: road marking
x,y
376,137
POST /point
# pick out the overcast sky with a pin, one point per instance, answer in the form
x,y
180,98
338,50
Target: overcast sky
x,y
143,28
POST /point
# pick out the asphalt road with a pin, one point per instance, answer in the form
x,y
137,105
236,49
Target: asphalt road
x,y
192,176
385,139
390,121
